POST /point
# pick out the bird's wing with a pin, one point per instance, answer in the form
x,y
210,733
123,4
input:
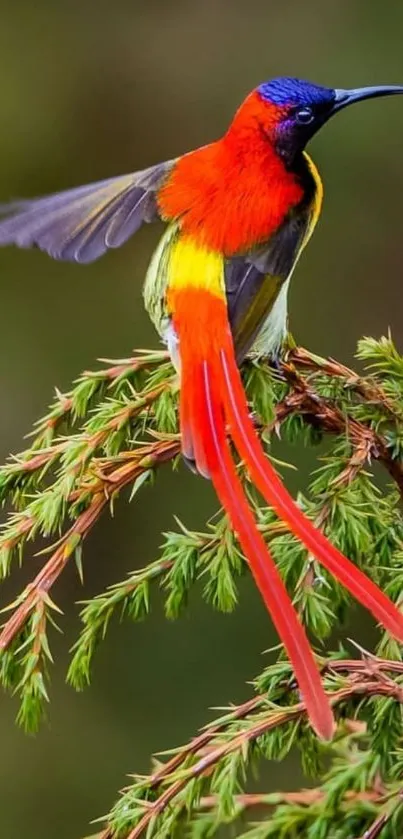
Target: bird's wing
x,y
81,224
254,280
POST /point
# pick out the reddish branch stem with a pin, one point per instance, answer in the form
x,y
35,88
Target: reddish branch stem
x,y
323,414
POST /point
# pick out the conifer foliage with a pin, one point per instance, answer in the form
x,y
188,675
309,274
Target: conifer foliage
x,y
117,427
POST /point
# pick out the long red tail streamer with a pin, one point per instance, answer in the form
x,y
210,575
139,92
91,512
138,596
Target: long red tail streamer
x,y
275,493
211,449
212,396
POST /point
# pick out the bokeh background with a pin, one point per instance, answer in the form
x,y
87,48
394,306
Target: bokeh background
x,y
90,89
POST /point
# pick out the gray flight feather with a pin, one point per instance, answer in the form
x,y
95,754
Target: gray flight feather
x,y
81,224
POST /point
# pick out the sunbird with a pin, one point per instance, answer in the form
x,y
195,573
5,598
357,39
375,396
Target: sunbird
x,y
239,212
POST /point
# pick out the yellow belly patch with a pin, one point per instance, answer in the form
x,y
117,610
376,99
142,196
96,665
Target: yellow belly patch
x,y
192,266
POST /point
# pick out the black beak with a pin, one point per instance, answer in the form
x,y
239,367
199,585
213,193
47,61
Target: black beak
x,y
348,97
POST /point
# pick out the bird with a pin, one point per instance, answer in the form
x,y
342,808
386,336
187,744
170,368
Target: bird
x,y
238,211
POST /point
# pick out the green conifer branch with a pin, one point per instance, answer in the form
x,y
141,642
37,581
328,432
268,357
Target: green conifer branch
x,y
213,766
115,428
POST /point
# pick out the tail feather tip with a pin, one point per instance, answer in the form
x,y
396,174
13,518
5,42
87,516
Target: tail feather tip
x,y
195,467
325,727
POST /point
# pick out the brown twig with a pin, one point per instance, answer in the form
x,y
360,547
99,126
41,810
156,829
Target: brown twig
x,y
376,827
322,413
365,387
303,798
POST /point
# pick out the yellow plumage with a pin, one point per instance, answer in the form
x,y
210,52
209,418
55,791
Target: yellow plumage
x,y
192,266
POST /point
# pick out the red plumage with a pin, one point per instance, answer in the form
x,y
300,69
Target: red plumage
x,y
234,193
204,412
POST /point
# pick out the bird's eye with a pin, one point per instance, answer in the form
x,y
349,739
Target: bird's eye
x,y
304,116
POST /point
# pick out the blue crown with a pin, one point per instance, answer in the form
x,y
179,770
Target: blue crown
x,y
287,91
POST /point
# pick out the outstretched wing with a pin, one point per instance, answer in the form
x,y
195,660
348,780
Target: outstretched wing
x,y
256,282
81,224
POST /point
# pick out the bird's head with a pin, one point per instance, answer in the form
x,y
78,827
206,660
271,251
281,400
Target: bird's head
x,y
293,110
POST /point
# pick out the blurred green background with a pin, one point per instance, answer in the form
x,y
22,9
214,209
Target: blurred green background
x,y
92,89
